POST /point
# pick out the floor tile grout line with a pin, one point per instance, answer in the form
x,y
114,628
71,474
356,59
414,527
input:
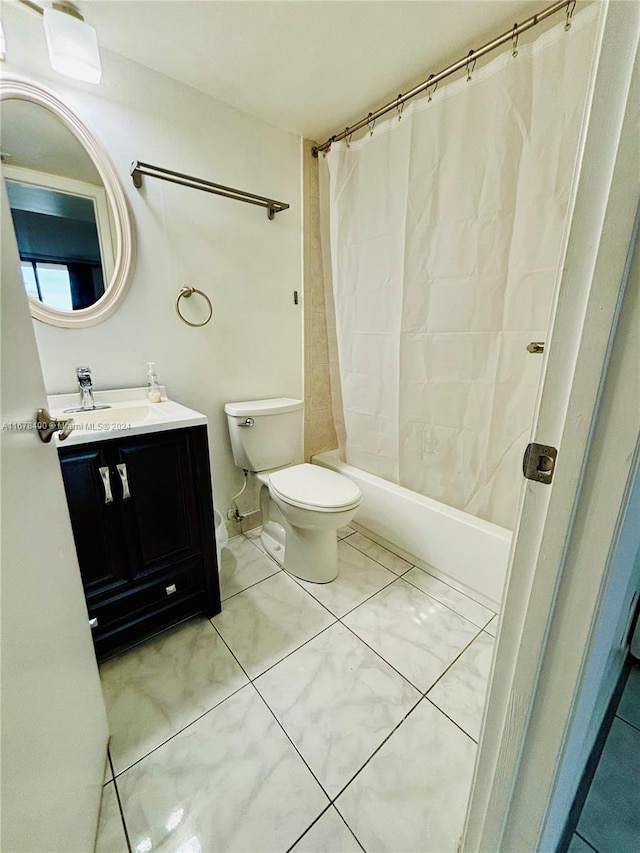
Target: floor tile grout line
x,y
413,707
383,659
346,784
409,565
448,606
375,752
322,604
311,825
179,731
373,594
251,585
292,652
286,734
475,600
344,820
588,843
622,719
274,715
396,576
451,720
122,815
455,660
251,680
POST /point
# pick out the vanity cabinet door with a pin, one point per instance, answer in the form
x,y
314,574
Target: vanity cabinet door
x,y
91,498
158,501
142,516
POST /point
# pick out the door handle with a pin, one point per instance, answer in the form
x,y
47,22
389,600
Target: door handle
x,y
124,479
106,482
46,426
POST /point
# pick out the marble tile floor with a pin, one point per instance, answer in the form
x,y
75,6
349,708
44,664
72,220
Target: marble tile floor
x,y
338,717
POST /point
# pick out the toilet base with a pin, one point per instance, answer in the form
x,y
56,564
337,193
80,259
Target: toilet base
x,y
308,553
273,541
311,555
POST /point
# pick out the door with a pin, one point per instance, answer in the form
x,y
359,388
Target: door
x,y
532,690
54,730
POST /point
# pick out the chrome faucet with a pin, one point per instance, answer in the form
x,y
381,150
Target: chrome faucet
x,y
85,384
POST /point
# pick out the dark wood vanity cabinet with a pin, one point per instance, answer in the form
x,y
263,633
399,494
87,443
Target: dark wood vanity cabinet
x,y
142,517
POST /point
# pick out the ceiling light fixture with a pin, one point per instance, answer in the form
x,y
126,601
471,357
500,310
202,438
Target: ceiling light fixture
x,y
72,43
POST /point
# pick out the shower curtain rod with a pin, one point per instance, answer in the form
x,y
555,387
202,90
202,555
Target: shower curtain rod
x,y
467,61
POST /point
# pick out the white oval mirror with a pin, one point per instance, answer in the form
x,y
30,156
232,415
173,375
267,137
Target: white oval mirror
x,y
69,213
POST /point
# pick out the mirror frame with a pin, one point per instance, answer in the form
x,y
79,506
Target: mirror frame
x,y
116,289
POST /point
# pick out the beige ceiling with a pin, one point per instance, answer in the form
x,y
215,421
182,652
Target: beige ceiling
x,y
305,66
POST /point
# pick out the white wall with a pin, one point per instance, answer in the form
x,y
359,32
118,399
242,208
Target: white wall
x,y
248,265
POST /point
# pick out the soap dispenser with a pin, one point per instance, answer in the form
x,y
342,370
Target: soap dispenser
x,y
153,387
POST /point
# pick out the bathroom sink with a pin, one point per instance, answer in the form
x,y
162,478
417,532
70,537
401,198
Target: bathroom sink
x,y
117,415
129,412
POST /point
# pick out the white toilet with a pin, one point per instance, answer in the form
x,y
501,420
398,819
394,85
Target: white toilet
x,y
302,505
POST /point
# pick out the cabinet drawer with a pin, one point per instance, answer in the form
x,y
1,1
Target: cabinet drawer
x,y
170,586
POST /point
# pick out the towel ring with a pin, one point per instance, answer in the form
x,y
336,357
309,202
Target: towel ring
x,y
187,292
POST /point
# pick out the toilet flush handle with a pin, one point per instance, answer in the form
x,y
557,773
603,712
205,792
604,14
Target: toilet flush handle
x,y
248,422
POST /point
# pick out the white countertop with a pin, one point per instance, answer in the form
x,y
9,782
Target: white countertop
x,y
129,413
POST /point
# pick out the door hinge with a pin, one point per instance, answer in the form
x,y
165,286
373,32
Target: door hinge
x,y
539,462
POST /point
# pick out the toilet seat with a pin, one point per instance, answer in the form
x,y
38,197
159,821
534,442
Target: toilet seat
x,y
312,487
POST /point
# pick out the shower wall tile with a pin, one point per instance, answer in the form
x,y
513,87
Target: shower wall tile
x,y
319,427
322,431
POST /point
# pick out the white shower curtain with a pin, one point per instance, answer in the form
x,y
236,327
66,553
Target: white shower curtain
x,y
446,233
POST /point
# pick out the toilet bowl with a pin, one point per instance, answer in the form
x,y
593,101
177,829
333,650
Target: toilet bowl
x,y
302,505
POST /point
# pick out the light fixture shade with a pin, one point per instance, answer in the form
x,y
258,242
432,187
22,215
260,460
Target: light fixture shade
x,y
73,46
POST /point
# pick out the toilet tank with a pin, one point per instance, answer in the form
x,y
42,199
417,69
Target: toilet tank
x,y
264,434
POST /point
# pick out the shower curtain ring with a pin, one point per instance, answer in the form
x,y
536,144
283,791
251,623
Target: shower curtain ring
x,y
371,123
433,91
400,107
570,9
348,135
514,49
470,65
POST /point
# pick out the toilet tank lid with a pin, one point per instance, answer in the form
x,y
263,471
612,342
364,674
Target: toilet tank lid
x,y
256,408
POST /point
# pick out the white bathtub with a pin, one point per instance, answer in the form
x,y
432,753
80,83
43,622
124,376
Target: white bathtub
x,y
465,551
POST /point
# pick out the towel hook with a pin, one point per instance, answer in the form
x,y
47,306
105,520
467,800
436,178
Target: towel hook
x,y
186,292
